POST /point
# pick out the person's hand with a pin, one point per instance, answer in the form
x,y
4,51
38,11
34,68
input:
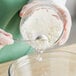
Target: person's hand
x,y
5,38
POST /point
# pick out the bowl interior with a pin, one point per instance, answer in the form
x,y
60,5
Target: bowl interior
x,y
55,63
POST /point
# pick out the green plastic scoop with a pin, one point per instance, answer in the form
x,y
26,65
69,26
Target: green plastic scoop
x,y
9,21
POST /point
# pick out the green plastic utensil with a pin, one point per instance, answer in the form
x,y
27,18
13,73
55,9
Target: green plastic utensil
x,y
9,21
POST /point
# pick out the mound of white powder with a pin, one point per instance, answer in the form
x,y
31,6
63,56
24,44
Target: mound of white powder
x,y
45,23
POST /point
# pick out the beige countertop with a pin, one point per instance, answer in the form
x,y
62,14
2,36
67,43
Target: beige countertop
x,y
4,67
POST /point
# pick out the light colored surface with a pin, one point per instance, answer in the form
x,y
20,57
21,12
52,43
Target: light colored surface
x,y
4,67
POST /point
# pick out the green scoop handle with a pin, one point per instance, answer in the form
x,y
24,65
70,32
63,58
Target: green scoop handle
x,y
9,21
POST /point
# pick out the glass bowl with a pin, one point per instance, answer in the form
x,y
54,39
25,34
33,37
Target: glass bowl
x,y
54,63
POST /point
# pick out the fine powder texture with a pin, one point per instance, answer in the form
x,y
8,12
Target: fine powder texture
x,y
45,23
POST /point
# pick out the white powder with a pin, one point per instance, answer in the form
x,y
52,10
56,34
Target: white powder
x,y
42,22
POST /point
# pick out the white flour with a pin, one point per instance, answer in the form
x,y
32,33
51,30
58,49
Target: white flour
x,y
45,23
